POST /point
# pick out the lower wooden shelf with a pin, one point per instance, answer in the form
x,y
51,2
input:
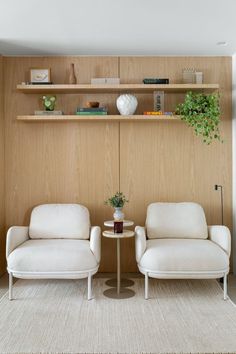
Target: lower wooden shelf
x,y
64,118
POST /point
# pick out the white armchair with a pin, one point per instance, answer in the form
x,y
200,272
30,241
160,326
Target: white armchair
x,y
59,243
176,243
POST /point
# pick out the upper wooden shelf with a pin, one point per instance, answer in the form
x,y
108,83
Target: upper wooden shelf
x,y
114,88
109,118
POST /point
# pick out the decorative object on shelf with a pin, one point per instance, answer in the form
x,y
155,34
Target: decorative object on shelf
x,y
202,112
92,104
40,76
49,102
199,77
105,80
118,227
117,202
126,104
157,81
48,113
99,111
72,77
159,100
188,75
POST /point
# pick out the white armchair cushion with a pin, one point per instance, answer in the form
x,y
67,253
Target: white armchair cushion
x,y
221,236
16,235
140,242
176,220
50,221
95,242
52,256
184,255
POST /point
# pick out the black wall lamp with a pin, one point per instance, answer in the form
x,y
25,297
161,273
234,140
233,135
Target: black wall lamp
x,y
218,187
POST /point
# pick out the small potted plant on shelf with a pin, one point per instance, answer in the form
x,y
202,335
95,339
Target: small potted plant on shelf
x,y
49,102
117,202
202,112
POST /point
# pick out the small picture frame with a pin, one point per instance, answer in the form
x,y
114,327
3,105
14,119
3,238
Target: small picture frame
x,y
40,76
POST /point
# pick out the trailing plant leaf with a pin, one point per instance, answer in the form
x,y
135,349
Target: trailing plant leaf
x,y
202,112
117,201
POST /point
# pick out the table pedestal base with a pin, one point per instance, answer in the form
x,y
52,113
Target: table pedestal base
x,y
124,283
124,293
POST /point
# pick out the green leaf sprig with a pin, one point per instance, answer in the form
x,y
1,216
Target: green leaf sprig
x,y
117,201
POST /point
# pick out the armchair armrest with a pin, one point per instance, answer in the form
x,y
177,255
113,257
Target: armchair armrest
x,y
95,242
221,235
16,235
140,242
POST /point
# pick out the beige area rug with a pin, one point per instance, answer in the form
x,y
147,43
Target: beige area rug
x,y
54,316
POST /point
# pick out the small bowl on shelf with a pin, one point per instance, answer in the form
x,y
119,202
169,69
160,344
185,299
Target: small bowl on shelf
x,y
92,104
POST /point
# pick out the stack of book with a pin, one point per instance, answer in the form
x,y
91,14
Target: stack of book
x,y
159,113
88,111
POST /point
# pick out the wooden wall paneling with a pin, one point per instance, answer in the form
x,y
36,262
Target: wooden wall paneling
x,y
79,162
165,161
64,162
2,173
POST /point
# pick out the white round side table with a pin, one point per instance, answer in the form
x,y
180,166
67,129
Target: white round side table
x,y
118,292
123,282
126,223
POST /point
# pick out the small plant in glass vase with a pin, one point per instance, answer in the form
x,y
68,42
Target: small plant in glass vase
x,y
117,202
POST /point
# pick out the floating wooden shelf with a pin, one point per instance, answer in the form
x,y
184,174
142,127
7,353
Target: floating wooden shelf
x,y
114,88
77,118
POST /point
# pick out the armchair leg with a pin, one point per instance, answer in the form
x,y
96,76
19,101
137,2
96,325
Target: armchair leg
x,y
89,286
10,286
146,286
225,287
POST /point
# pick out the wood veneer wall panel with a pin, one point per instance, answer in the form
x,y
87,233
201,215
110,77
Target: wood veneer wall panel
x,y
165,161
79,162
62,162
2,172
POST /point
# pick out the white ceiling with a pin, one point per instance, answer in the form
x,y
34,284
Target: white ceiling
x,y
117,27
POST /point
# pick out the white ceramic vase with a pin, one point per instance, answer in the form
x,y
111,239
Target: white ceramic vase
x,y
126,104
118,214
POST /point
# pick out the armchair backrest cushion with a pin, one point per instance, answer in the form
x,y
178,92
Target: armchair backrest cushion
x,y
176,220
59,221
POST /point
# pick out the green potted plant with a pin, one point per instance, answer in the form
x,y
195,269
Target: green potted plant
x,y
202,112
49,102
117,202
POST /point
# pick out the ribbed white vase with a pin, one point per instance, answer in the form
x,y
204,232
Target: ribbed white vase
x,y
126,104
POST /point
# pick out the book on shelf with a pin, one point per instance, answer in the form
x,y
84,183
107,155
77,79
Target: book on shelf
x,y
90,109
91,113
154,113
156,81
39,83
48,113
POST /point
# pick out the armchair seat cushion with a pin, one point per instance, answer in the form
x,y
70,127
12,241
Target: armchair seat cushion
x,y
183,255
52,255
